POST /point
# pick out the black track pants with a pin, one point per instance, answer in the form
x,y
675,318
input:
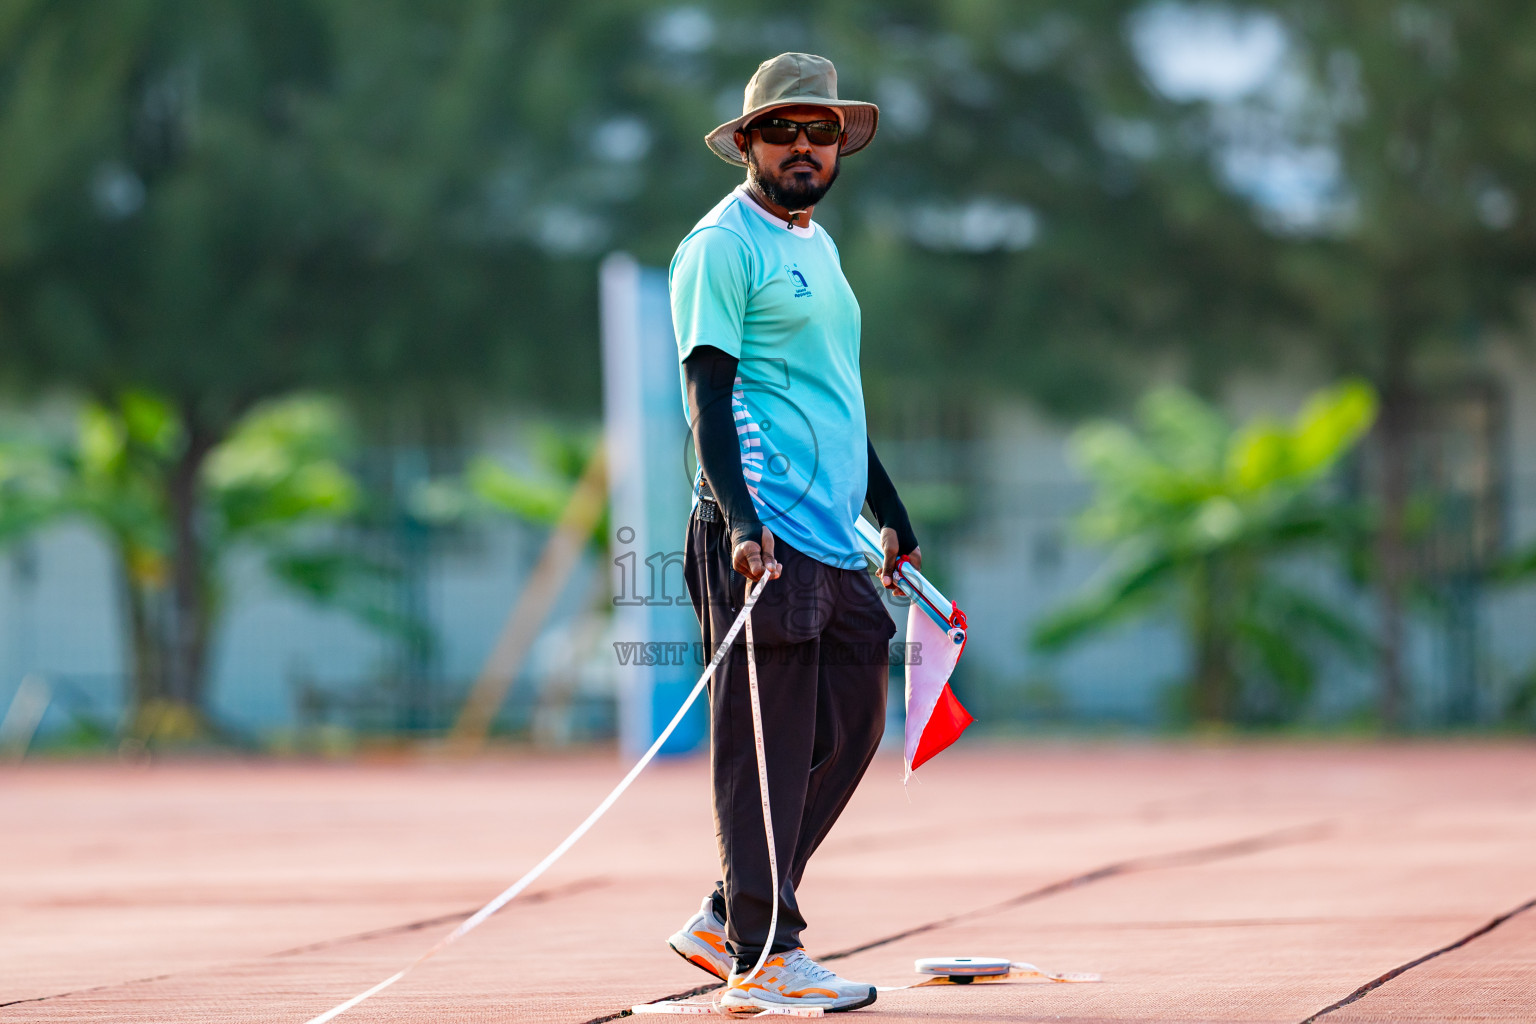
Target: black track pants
x,y
822,637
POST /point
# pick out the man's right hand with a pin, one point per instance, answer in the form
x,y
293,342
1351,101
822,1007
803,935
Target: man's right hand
x,y
752,559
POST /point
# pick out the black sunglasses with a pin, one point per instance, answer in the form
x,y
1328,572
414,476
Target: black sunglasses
x,y
778,131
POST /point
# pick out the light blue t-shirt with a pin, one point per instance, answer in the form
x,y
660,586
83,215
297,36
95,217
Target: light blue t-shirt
x,y
776,299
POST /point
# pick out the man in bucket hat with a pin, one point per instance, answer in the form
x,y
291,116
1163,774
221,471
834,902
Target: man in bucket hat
x,y
768,339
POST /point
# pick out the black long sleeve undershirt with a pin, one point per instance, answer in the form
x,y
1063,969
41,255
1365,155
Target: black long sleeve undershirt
x,y
883,501
709,375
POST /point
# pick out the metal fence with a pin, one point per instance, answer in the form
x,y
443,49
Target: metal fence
x,y
1004,546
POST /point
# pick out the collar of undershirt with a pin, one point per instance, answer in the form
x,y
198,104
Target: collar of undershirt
x,y
794,229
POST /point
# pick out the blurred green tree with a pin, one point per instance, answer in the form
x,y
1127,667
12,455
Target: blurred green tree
x,y
272,486
1198,516
403,202
1396,141
1029,220
221,203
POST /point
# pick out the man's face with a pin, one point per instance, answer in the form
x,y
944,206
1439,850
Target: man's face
x,y
794,175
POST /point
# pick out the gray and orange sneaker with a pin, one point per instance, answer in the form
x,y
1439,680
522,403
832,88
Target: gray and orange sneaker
x,y
794,979
702,942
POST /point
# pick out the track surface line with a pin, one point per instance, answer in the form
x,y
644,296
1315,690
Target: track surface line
x,y
1376,983
1177,859
1156,862
575,888
93,988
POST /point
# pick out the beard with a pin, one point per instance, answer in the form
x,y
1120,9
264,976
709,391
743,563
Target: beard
x,y
784,188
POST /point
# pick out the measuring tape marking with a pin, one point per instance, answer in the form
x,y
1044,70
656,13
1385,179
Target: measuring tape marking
x,y
762,787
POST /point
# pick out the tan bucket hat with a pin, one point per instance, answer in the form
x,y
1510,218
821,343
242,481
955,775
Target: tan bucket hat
x,y
788,80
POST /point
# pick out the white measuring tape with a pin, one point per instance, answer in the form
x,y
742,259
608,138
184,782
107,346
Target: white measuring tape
x,y
712,1007
762,788
474,920
773,864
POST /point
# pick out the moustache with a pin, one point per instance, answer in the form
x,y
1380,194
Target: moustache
x,y
809,162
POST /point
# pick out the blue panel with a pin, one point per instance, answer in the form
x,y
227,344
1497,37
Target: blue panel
x,y
692,731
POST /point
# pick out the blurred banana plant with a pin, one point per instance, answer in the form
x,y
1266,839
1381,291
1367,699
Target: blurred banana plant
x,y
278,485
488,489
1197,517
1518,569
566,491
32,492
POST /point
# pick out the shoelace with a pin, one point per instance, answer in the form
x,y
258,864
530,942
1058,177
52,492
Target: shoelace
x,y
796,960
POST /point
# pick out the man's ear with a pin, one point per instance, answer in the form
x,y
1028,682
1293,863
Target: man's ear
x,y
741,143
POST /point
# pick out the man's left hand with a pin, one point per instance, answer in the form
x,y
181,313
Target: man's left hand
x,y
892,553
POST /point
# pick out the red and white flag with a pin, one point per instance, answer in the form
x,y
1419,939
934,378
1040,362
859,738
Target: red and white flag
x,y
935,717
936,631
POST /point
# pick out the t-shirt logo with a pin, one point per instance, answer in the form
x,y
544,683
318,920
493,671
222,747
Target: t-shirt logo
x,y
801,288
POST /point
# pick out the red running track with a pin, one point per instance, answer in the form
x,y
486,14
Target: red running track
x,y
1206,883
